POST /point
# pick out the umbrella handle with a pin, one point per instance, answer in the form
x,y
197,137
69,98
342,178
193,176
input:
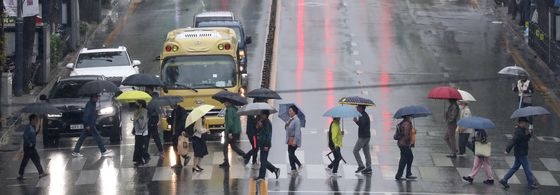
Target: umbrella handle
x,y
520,100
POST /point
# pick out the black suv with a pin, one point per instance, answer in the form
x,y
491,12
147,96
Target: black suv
x,y
63,95
243,40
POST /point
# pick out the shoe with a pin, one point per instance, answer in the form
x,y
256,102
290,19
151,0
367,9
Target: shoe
x,y
199,168
260,179
335,175
360,169
43,175
107,153
504,183
77,154
300,168
277,173
293,173
20,178
177,166
187,158
196,170
411,177
223,165
489,182
399,179
461,154
367,170
468,179
534,186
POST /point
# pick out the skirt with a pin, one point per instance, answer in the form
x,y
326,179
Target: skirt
x,y
199,146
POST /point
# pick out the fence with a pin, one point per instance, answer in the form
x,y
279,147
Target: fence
x,y
547,49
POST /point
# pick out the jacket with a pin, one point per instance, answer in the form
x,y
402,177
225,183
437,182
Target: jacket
x,y
251,126
363,126
335,135
29,136
293,129
264,133
141,122
520,142
408,133
90,114
153,115
232,122
452,114
177,120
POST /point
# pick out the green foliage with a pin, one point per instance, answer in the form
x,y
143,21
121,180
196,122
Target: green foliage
x,y
57,48
83,27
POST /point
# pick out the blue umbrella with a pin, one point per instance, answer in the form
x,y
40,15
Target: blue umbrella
x,y
476,123
413,111
283,113
342,112
529,111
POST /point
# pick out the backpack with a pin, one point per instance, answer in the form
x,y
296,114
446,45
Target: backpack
x,y
398,132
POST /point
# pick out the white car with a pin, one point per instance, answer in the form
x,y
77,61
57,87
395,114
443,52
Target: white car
x,y
113,63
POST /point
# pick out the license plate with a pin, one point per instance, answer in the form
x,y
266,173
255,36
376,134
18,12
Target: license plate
x,y
79,126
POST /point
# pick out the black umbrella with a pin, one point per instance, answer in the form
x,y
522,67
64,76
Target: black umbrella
x,y
97,86
263,93
234,98
356,100
40,108
529,111
146,80
413,111
165,101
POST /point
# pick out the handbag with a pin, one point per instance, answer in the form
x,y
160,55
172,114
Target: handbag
x,y
182,146
482,149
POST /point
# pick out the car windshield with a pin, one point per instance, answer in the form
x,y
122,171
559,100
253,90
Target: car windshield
x,y
102,59
67,89
199,71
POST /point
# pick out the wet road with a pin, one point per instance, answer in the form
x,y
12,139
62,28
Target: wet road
x,y
393,52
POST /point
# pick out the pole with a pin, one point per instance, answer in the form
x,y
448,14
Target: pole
x,y
19,50
2,55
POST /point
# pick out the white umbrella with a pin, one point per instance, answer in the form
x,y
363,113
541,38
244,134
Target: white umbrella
x,y
467,97
256,108
513,70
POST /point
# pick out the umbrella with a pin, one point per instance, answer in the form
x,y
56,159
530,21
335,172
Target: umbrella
x,y
513,70
256,108
476,123
40,108
283,113
444,92
97,86
263,93
198,113
165,101
356,100
147,80
466,96
234,98
413,111
342,112
132,96
529,111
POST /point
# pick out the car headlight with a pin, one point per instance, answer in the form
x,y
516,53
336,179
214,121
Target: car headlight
x,y
107,111
54,115
241,53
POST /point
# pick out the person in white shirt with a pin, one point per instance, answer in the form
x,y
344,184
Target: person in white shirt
x,y
140,132
464,134
199,144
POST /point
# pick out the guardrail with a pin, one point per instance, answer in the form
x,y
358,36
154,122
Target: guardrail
x,y
548,50
269,48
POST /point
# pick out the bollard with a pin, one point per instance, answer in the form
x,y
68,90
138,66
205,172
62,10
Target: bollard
x,y
6,96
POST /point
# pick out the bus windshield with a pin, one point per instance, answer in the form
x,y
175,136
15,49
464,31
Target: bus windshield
x,y
211,71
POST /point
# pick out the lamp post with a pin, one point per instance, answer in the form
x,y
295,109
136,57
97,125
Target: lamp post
x,y
19,51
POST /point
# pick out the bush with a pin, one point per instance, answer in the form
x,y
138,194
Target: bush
x,y
83,27
57,48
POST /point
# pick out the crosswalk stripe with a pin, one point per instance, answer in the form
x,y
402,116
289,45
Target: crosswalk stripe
x,y
316,171
76,164
163,174
204,175
501,172
217,158
510,160
545,178
551,164
441,160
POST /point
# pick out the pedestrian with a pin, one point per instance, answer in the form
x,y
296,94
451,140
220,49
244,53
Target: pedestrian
x,y
232,125
513,8
140,132
520,145
89,119
335,143
524,90
264,131
153,123
29,151
464,133
252,136
451,117
199,144
177,121
480,161
363,141
293,138
405,136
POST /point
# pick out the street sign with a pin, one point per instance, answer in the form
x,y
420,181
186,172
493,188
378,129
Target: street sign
x,y
30,7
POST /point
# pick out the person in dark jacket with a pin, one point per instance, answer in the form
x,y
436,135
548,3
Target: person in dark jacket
x,y
177,121
451,117
89,119
406,143
264,131
363,141
252,136
29,151
520,145
153,121
232,125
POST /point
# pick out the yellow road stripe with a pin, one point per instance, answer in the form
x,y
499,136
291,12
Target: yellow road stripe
x,y
120,26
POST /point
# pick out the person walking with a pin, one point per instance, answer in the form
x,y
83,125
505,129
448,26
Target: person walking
x,y
153,122
89,119
140,132
524,90
29,151
264,131
252,136
199,144
363,141
480,161
451,117
293,138
177,121
232,126
464,133
335,143
405,136
520,145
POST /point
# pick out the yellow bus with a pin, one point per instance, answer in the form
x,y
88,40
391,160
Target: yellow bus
x,y
196,63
